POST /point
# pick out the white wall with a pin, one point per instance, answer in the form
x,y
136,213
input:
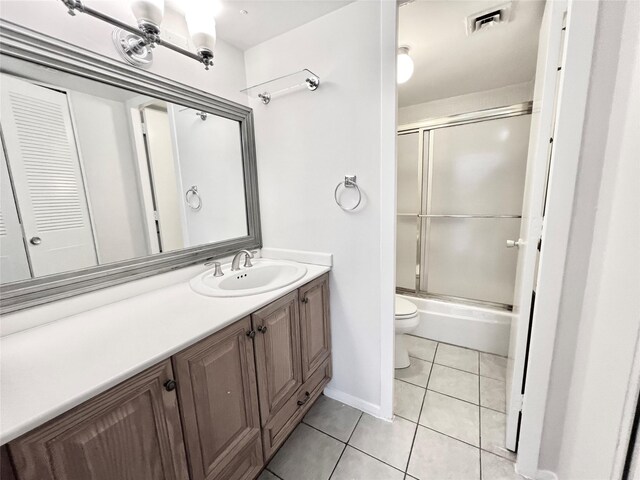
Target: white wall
x,y
600,307
50,17
209,153
498,97
110,171
307,142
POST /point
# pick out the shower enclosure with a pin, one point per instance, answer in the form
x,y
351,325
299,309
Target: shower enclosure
x,y
460,190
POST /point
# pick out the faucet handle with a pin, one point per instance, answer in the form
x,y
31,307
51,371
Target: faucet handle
x,y
217,272
247,260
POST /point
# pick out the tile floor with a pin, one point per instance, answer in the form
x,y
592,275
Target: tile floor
x,y
449,424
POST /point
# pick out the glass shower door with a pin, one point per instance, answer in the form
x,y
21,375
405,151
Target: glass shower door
x,y
473,205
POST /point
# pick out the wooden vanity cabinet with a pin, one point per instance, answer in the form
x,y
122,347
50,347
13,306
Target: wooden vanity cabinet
x,y
240,392
293,363
131,432
219,403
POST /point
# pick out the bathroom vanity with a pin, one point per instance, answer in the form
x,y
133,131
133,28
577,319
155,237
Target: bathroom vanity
x,y
114,364
218,409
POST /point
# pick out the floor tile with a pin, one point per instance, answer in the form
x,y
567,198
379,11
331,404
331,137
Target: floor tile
x,y
407,400
421,348
455,383
416,373
355,465
436,456
333,418
452,417
498,468
492,433
267,475
493,393
493,366
307,454
457,357
386,441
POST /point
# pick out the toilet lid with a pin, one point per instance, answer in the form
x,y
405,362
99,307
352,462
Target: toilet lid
x,y
405,308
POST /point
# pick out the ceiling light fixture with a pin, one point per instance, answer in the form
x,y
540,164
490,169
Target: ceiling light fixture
x,y
405,64
135,44
201,22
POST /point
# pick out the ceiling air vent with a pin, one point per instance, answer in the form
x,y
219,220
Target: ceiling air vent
x,y
488,18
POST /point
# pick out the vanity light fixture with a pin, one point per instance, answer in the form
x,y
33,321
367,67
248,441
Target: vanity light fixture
x,y
136,44
405,64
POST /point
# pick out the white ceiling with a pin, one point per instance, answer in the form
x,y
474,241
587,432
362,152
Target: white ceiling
x,y
265,18
449,63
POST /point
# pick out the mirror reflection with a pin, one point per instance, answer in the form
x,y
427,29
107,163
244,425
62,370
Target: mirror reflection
x,y
93,174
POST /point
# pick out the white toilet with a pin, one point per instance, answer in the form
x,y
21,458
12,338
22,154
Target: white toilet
x,y
406,321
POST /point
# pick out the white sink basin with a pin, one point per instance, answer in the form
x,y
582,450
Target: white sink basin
x,y
264,276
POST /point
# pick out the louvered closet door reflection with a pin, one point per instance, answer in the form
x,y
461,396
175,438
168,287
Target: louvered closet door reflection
x,y
44,163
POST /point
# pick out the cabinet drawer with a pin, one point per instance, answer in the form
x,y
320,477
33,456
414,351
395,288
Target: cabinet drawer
x,y
282,424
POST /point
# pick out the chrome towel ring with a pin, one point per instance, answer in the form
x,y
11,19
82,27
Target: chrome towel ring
x,y
192,197
349,182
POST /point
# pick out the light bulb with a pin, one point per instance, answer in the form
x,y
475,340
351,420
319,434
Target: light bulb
x,y
148,13
405,65
201,21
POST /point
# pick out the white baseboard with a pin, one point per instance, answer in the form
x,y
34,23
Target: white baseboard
x,y
315,258
355,402
546,475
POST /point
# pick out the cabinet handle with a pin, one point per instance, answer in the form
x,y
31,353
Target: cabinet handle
x,y
262,329
170,385
307,395
304,300
251,333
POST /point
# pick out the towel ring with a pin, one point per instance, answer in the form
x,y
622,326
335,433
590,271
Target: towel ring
x,y
192,194
349,182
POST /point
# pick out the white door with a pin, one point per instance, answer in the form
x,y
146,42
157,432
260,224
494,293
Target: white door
x,y
14,265
542,121
45,167
165,179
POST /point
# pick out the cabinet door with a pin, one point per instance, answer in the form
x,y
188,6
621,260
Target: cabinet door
x,y
131,432
314,324
278,363
219,403
6,469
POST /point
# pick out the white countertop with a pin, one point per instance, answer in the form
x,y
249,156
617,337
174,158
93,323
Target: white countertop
x,y
47,370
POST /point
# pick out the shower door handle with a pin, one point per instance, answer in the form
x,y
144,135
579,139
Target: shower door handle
x,y
514,243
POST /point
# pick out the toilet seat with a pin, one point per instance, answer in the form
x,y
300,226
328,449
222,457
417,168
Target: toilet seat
x,y
405,308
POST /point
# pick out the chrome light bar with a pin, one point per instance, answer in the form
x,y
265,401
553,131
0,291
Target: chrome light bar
x,y
135,43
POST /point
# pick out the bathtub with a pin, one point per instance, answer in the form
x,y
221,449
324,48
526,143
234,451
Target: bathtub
x,y
470,326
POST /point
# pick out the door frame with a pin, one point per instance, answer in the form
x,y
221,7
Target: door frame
x,y
571,106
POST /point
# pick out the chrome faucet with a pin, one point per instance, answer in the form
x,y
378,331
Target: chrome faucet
x,y
235,263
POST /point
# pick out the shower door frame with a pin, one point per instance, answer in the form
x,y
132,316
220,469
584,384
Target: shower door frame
x,y
424,191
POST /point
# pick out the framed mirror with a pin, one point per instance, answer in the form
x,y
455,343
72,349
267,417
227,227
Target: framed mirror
x,y
111,174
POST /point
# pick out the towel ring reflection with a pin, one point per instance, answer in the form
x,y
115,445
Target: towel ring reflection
x,y
191,195
349,182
